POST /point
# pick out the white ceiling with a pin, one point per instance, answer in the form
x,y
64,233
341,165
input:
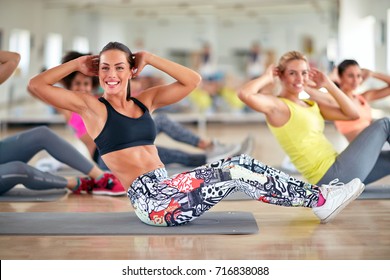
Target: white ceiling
x,y
222,9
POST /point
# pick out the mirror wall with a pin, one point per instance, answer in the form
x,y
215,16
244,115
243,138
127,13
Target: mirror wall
x,y
179,29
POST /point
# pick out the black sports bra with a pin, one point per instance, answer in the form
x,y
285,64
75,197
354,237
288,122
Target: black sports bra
x,y
122,132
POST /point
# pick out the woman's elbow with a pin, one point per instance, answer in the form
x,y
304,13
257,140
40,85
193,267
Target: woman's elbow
x,y
242,95
354,115
194,82
32,87
197,80
17,58
15,61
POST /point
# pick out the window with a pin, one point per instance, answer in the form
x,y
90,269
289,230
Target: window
x,y
80,44
53,50
388,42
20,43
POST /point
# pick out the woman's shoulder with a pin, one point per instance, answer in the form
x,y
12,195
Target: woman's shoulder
x,y
144,98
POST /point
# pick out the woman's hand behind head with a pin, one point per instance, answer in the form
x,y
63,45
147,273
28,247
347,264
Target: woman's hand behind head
x,y
89,65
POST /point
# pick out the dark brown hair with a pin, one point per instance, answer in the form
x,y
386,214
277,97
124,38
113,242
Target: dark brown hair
x,y
344,65
67,81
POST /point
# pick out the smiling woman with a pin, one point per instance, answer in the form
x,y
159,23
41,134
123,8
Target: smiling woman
x,y
350,78
112,81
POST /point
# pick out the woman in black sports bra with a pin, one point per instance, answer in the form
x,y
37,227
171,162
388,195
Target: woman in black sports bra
x,y
124,133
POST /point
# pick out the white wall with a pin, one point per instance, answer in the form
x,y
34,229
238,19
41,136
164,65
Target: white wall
x,y
359,32
282,34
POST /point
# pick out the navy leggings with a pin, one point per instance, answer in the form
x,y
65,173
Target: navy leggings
x,y
17,150
364,157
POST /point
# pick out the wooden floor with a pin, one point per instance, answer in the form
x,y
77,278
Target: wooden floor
x,y
361,231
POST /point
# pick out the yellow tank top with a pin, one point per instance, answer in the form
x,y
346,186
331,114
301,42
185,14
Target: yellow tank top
x,y
303,140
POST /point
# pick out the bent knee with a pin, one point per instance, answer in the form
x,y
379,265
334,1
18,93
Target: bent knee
x,y
383,122
14,167
44,131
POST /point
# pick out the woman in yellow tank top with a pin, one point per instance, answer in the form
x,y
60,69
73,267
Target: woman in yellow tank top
x,y
298,124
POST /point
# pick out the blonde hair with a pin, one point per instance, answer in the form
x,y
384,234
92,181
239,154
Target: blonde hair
x,y
289,56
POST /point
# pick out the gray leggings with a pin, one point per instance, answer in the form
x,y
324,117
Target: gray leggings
x,y
179,133
17,150
364,157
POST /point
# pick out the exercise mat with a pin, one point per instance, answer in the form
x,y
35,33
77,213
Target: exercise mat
x,y
26,195
375,192
120,223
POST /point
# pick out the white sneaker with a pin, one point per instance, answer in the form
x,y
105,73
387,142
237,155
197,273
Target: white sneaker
x,y
49,164
219,151
338,195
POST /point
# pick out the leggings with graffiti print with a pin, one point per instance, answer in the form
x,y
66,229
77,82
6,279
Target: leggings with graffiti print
x,y
160,200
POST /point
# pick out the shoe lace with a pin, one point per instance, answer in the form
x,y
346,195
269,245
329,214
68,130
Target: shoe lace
x,y
334,184
105,182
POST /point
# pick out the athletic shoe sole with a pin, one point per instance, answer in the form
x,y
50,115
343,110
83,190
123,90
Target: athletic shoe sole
x,y
109,193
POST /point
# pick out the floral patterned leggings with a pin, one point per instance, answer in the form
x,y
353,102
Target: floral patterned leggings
x,y
160,200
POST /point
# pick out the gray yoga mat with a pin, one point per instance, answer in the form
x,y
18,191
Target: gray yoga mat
x,y
375,192
26,195
120,223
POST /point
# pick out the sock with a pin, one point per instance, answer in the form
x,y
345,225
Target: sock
x,y
321,200
101,181
77,185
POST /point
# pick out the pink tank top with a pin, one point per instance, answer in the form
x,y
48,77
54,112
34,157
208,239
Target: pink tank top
x,y
77,123
365,119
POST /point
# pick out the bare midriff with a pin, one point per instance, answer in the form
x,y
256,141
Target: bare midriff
x,y
130,163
